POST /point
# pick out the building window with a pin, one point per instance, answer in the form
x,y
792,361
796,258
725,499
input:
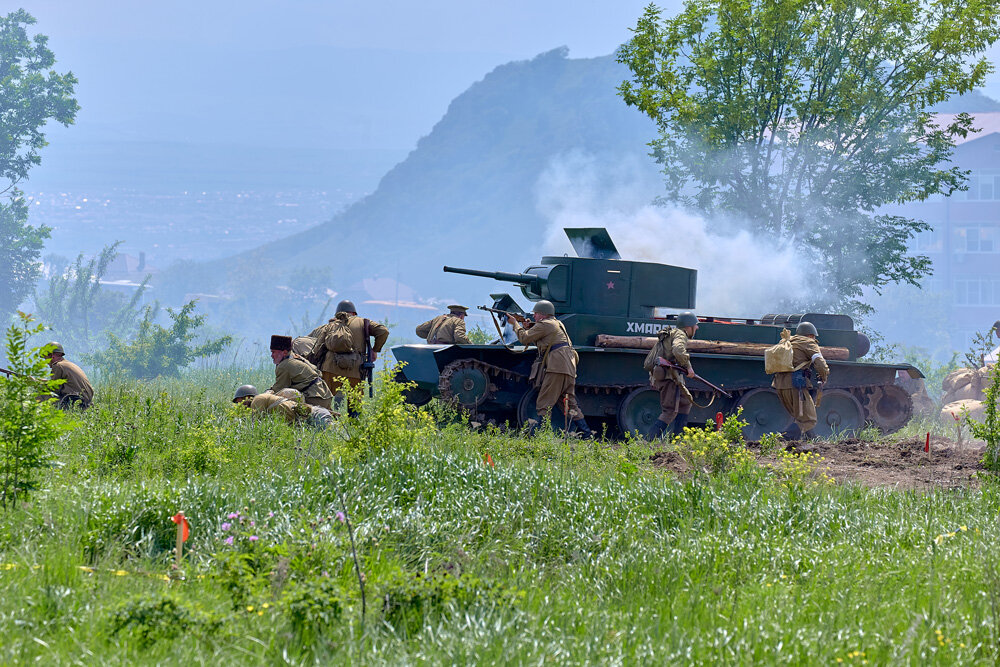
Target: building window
x,y
977,238
983,185
977,291
931,240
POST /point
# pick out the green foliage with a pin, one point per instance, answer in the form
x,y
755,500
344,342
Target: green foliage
x,y
387,421
711,451
800,469
156,350
934,371
80,311
989,429
480,336
161,617
982,345
801,119
31,94
28,426
313,607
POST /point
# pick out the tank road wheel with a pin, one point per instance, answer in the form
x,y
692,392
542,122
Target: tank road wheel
x,y
526,410
465,384
763,412
890,407
839,412
638,411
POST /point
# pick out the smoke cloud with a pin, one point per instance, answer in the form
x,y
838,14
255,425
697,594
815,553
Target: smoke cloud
x,y
739,274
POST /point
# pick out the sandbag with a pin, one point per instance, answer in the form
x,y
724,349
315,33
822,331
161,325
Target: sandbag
x,y
957,378
778,358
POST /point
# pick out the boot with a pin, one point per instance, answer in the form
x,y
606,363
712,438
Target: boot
x,y
793,433
811,434
680,421
582,428
659,428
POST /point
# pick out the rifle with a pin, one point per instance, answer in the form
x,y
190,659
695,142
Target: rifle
x,y
505,313
368,366
669,364
9,373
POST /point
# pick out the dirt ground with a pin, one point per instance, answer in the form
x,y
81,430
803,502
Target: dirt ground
x,y
900,465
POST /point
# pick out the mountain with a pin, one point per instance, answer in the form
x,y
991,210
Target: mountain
x,y
466,195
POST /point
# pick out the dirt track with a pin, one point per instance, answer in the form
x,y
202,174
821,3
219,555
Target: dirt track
x,y
902,465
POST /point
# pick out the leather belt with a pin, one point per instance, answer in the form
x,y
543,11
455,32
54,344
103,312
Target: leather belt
x,y
556,346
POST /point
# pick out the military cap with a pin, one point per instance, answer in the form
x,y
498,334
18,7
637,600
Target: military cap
x,y
244,391
806,329
346,306
544,307
283,343
457,309
687,319
56,348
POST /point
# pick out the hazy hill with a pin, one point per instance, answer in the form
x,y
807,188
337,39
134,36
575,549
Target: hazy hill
x,y
465,195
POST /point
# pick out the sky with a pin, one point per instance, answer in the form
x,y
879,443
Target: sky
x,y
305,73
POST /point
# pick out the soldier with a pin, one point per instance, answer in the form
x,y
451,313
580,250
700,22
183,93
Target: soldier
x,y
793,387
291,370
675,399
556,364
343,365
287,402
76,390
446,329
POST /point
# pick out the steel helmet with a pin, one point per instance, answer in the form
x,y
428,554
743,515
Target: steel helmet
x,y
544,307
56,348
346,306
806,329
687,319
244,391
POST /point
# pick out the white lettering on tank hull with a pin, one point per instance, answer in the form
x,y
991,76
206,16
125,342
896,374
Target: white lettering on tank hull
x,y
643,327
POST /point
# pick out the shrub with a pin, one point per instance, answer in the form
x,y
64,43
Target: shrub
x,y
989,429
313,606
161,616
800,469
711,451
386,421
27,425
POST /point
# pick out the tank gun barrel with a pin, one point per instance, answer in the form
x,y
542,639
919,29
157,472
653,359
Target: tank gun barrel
x,y
519,278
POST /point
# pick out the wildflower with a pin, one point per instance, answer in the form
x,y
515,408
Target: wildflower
x,y
233,515
270,514
939,539
252,524
250,608
253,538
963,528
266,605
229,540
226,525
340,517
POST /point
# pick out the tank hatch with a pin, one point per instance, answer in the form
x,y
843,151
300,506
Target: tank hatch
x,y
592,242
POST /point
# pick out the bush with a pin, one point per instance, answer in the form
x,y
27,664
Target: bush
x,y
159,617
708,450
313,606
989,429
27,425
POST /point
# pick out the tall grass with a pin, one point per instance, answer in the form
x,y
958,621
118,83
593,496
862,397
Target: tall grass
x,y
559,552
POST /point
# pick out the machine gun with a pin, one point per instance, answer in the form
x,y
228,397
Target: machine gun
x,y
669,364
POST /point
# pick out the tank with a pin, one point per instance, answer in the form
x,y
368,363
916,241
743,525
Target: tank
x,y
611,308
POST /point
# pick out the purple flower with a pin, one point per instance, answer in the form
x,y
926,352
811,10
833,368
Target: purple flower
x,y
233,515
226,525
253,538
340,517
252,524
270,514
229,540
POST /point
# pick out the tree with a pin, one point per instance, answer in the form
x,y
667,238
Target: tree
x,y
31,94
801,118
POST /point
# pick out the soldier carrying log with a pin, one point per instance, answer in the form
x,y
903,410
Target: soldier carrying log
x,y
675,399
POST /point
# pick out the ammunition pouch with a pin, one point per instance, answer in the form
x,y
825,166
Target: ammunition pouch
x,y
800,378
537,374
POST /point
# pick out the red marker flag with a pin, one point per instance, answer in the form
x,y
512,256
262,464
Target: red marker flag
x,y
927,444
489,460
180,519
718,421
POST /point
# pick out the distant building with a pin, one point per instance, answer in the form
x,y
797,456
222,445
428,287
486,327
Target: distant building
x,y
964,244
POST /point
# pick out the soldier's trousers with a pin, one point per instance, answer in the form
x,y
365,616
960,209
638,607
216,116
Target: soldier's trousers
x,y
335,382
799,404
319,402
673,401
554,387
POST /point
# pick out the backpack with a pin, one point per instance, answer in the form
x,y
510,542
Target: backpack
x,y
659,350
303,345
339,338
778,358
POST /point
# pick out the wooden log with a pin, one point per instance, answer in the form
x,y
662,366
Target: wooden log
x,y
710,346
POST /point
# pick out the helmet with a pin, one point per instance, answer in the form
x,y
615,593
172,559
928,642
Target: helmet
x,y
544,307
806,329
687,319
57,348
293,394
244,391
346,306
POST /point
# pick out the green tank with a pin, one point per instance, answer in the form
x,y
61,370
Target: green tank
x,y
609,307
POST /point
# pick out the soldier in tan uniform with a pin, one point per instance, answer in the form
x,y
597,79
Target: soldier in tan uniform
x,y
291,370
556,363
76,390
675,399
797,400
345,367
288,403
446,329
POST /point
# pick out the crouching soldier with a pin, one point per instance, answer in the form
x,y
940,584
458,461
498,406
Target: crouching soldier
x,y
291,370
793,387
675,398
76,390
446,329
288,403
556,364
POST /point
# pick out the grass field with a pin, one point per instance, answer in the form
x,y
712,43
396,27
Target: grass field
x,y
576,552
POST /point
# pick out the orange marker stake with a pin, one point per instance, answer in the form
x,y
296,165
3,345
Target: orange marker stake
x,y
718,421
